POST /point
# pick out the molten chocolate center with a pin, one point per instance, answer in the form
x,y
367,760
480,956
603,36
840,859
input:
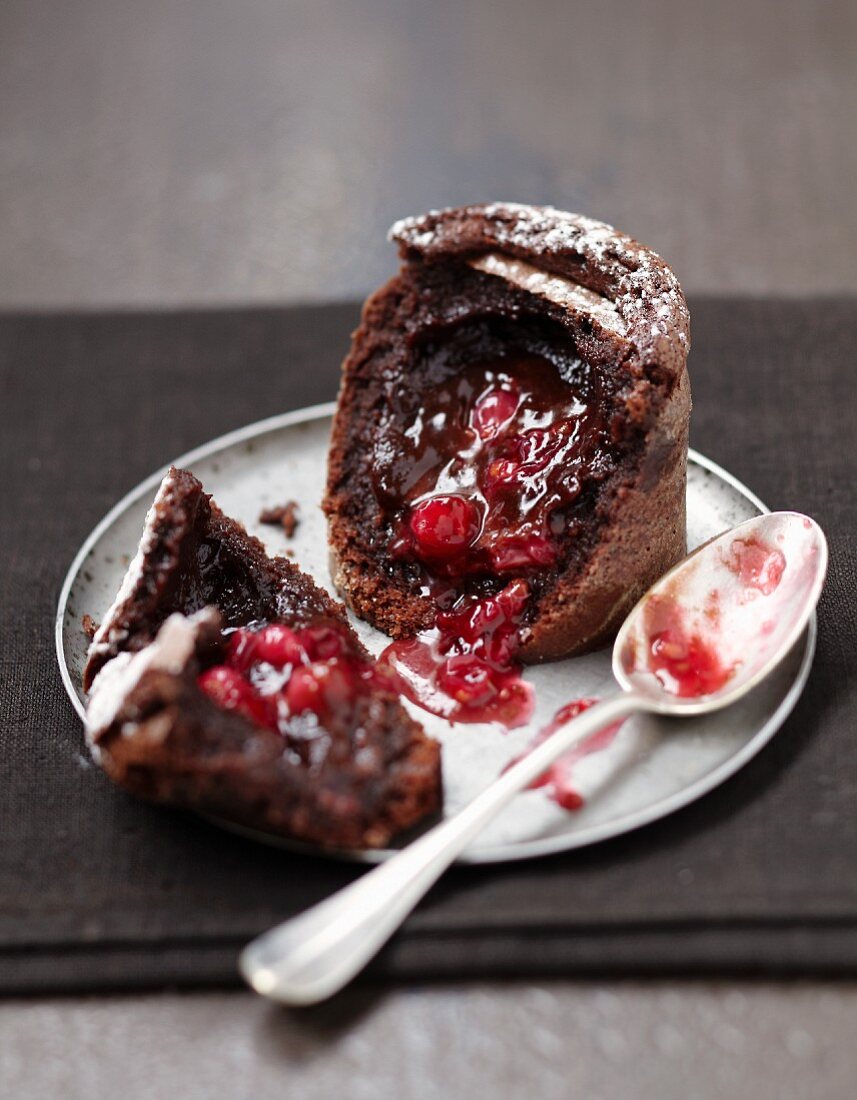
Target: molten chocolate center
x,y
480,475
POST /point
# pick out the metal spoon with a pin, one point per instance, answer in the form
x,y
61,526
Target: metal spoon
x,y
748,594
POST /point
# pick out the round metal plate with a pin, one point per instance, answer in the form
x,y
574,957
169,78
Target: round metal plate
x,y
653,766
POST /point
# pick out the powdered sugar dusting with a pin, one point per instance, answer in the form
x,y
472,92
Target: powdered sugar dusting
x,y
557,230
404,226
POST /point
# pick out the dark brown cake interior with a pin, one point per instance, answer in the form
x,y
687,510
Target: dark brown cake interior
x,y
197,557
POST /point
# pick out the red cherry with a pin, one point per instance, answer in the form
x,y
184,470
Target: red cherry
x,y
319,688
493,410
487,617
274,644
303,691
467,680
322,643
241,651
522,553
469,626
444,526
225,685
279,646
229,690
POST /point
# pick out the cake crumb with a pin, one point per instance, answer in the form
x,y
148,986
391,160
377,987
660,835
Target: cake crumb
x,y
283,515
89,626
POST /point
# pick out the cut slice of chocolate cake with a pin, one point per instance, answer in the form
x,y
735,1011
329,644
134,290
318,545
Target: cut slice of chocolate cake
x,y
513,418
227,682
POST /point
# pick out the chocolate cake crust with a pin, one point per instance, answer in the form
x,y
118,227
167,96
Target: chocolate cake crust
x,y
484,280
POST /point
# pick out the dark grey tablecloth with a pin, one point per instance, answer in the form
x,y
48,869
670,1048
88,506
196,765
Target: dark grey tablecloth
x,y
97,890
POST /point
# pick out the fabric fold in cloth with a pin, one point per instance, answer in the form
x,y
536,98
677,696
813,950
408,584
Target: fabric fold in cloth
x,y
100,891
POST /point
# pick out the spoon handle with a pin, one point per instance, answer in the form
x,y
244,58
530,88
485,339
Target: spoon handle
x,y
312,956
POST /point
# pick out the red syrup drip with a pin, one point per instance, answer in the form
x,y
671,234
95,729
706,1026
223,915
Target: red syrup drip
x,y
273,673
756,565
464,668
686,663
559,778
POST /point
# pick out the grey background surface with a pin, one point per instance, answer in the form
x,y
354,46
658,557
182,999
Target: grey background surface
x,y
204,151
162,153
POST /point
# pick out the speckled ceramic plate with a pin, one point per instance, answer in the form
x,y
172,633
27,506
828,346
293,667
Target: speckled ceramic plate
x,y
652,767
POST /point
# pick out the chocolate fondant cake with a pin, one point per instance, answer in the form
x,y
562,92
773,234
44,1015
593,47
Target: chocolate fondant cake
x,y
513,411
226,681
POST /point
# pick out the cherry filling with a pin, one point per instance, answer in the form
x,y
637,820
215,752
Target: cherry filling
x,y
686,659
756,565
464,668
480,473
559,778
271,674
686,663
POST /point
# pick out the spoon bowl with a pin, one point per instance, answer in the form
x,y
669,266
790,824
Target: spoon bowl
x,y
717,624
